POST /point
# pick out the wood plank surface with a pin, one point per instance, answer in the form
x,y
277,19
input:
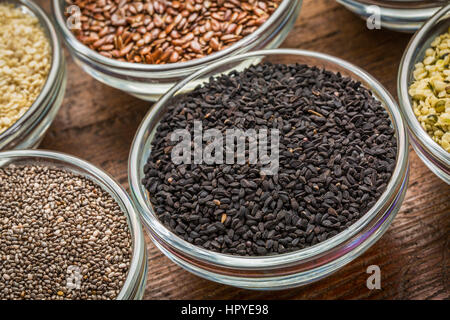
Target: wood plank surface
x,y
97,123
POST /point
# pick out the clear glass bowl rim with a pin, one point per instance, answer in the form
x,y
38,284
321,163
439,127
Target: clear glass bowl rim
x,y
390,10
405,68
57,59
252,263
86,51
131,213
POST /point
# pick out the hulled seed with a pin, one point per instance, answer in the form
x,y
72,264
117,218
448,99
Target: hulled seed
x,y
25,59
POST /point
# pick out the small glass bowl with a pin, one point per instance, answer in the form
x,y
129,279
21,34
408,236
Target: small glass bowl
x,y
29,130
134,285
284,270
398,15
431,153
150,82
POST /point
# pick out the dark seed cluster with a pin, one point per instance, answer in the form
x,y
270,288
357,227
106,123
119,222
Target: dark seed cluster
x,y
59,229
337,154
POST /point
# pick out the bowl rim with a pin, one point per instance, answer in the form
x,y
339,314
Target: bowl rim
x,y
239,45
134,225
397,19
421,13
57,59
406,67
261,262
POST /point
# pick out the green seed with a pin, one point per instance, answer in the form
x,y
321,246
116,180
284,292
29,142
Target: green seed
x,y
440,106
431,87
432,119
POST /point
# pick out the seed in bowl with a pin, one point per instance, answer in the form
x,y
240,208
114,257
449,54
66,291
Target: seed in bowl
x,y
61,236
25,58
160,32
335,156
430,91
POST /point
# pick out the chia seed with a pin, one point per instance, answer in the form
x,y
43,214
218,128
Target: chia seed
x,y
54,226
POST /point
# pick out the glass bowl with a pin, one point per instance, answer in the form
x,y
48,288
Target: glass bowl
x,y
432,154
134,285
29,130
149,82
398,15
284,270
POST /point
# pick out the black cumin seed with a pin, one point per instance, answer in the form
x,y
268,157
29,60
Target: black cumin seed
x,y
337,154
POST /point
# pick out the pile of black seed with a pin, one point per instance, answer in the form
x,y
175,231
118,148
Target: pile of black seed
x,y
337,154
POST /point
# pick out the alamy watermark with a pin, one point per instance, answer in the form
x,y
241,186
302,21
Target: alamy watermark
x,y
74,17
374,281
374,20
228,147
73,279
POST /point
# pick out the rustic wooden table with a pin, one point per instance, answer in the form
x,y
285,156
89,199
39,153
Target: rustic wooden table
x,y
97,123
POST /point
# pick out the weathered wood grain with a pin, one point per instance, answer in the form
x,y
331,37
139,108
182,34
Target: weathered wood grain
x,y
98,123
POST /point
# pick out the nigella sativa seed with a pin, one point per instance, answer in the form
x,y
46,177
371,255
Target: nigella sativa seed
x,y
337,152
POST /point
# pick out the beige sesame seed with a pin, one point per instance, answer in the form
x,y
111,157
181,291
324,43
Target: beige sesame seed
x,y
24,63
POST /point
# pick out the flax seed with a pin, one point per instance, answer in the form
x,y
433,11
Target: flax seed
x,y
151,25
